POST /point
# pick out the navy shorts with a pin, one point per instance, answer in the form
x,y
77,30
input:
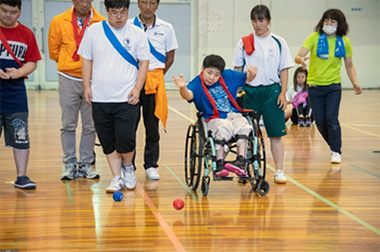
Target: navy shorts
x,y
116,125
15,130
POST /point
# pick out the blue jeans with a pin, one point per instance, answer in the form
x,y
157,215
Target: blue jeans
x,y
325,101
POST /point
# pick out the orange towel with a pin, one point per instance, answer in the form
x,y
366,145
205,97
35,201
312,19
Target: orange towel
x,y
249,44
155,84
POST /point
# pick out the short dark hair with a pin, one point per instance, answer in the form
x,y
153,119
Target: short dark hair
x,y
13,3
116,4
299,70
216,61
158,1
260,12
334,14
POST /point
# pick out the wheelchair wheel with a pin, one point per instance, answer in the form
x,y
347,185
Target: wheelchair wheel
x,y
205,185
263,187
256,155
193,156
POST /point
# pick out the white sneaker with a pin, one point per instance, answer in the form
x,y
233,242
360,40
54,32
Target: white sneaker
x,y
129,176
117,184
279,177
152,173
335,157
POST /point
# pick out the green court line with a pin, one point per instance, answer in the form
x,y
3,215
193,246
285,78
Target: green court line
x,y
69,192
321,198
357,167
183,184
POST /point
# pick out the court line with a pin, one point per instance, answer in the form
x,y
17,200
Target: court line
x,y
362,131
183,184
169,232
363,125
333,205
357,167
69,192
33,244
179,113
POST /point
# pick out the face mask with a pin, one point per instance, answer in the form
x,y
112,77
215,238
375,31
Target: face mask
x,y
329,29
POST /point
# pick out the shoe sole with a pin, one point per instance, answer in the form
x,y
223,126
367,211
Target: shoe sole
x,y
280,181
130,187
153,178
336,162
112,190
96,176
235,170
27,186
66,178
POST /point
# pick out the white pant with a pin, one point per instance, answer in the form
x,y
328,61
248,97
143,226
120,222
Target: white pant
x,y
225,129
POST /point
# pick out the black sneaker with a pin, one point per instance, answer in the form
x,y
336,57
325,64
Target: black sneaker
x,y
308,122
239,162
301,122
24,182
220,169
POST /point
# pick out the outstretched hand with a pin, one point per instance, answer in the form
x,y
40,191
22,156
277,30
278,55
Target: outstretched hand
x,y
179,81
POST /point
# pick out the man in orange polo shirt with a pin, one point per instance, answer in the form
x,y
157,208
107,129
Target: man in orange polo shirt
x,y
65,34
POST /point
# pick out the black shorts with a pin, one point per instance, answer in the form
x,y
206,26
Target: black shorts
x,y
115,125
16,130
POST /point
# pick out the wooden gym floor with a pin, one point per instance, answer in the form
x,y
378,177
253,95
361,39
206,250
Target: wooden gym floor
x,y
323,207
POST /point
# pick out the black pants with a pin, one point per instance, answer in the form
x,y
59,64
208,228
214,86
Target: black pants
x,y
300,110
152,136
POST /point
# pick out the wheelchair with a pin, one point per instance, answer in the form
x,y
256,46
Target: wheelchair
x,y
200,156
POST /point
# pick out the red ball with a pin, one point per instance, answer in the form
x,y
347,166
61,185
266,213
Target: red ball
x,y
178,204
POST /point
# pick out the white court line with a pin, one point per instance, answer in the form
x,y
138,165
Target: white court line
x,y
363,125
179,113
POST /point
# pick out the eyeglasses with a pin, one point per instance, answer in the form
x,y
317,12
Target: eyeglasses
x,y
84,1
122,13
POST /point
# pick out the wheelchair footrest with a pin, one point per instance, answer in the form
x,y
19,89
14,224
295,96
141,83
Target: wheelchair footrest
x,y
224,178
247,178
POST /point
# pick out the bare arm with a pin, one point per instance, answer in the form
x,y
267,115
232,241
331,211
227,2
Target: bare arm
x,y
281,101
15,73
169,60
184,92
301,57
86,76
141,77
350,69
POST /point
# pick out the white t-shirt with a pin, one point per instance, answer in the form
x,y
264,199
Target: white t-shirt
x,y
162,36
113,77
268,58
291,92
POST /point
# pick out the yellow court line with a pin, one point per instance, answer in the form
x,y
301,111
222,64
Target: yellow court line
x,y
359,130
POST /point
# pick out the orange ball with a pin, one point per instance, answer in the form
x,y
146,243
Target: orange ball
x,y
178,204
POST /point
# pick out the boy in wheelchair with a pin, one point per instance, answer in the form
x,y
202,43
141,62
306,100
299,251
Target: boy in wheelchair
x,y
214,93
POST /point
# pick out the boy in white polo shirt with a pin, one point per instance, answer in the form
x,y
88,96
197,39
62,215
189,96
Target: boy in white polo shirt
x,y
163,43
115,62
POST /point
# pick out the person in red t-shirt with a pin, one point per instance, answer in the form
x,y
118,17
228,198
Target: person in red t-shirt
x,y
18,58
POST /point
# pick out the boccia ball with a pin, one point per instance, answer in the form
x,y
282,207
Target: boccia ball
x,y
118,196
178,204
